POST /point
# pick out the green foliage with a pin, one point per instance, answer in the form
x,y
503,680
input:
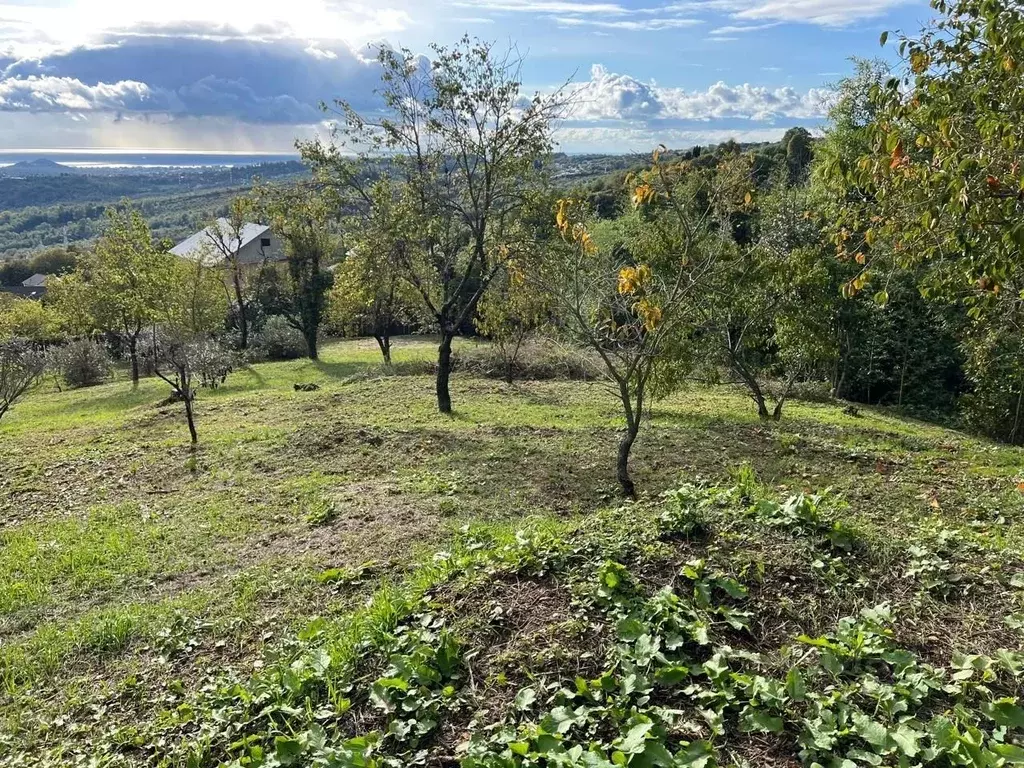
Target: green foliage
x,y
26,319
277,340
464,150
302,215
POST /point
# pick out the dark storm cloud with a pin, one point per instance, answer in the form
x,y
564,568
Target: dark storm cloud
x,y
272,81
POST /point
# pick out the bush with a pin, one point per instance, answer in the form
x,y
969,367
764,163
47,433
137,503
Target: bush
x,y
277,340
212,362
538,359
82,363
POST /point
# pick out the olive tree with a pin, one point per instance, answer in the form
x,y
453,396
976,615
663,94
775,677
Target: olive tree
x,y
466,148
21,364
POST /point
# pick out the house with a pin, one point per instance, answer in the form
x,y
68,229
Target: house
x,y
256,245
32,288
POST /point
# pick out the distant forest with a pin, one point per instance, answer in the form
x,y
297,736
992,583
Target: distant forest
x,y
41,211
38,212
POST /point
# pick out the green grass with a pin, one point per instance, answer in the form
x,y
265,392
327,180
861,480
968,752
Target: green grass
x,y
117,543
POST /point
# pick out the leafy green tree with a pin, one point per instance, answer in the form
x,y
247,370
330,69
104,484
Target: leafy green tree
x,y
466,149
26,319
305,216
369,293
769,316
120,284
799,153
941,182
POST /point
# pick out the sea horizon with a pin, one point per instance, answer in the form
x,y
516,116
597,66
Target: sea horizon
x,y
156,159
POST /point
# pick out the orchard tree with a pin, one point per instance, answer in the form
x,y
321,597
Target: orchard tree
x,y
772,304
120,284
21,364
225,238
941,183
510,312
938,189
466,148
181,346
370,294
628,289
305,216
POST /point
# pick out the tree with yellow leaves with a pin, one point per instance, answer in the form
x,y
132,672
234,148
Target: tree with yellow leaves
x,y
628,289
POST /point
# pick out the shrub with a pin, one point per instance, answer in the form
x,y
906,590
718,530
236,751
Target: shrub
x,y
537,360
212,362
277,340
81,363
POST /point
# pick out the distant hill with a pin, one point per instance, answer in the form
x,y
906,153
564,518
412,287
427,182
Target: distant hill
x,y
39,167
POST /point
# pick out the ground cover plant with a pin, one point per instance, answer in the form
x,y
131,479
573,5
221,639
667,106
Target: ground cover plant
x,y
345,577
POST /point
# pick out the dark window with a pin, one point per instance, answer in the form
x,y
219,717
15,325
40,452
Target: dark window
x,y
264,242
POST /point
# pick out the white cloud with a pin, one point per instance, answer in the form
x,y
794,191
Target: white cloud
x,y
68,94
50,24
641,25
826,13
737,29
610,96
639,138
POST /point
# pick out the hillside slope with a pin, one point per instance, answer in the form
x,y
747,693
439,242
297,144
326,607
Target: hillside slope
x,y
344,577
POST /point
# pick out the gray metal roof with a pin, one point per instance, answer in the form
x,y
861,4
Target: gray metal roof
x,y
202,243
36,281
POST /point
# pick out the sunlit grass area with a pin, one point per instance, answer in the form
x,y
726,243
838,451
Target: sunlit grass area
x,y
117,542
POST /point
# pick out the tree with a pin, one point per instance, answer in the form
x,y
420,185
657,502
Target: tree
x,y
935,191
304,215
119,285
799,153
940,182
26,319
226,239
626,289
466,149
511,311
770,313
369,293
181,348
20,365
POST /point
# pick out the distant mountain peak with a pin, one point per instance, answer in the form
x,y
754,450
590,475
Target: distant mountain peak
x,y
40,166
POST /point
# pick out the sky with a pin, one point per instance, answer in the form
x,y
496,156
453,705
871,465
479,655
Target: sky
x,y
248,75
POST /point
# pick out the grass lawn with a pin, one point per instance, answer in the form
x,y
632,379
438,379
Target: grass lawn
x,y
136,577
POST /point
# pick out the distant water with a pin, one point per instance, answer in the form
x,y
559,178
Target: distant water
x,y
142,159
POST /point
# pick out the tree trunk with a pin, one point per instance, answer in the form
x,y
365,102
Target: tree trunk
x,y
384,342
762,406
1016,415
444,372
311,343
777,413
133,355
622,463
243,322
191,419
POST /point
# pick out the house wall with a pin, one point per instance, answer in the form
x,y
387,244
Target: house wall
x,y
255,253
